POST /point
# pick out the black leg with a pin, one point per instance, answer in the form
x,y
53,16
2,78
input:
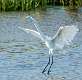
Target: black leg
x,y
50,66
46,65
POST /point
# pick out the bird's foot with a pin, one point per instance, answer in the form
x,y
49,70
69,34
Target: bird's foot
x,y
48,72
46,67
43,70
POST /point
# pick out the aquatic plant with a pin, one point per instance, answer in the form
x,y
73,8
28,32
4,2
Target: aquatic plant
x,y
72,4
24,5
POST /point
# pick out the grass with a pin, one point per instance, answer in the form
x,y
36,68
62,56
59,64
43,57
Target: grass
x,y
24,5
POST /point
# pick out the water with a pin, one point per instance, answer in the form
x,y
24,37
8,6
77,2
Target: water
x,y
23,56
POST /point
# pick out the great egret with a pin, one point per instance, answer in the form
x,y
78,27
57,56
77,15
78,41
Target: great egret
x,y
62,38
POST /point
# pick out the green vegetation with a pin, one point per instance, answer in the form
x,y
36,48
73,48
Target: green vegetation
x,y
72,4
21,5
24,5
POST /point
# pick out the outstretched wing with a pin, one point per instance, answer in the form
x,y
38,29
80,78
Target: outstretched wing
x,y
35,22
64,36
33,32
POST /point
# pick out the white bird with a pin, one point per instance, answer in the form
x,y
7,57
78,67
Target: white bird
x,y
62,38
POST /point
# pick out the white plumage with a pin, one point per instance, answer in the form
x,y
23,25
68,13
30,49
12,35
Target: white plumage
x,y
62,38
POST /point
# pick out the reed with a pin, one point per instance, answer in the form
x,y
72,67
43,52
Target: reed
x,y
24,5
72,4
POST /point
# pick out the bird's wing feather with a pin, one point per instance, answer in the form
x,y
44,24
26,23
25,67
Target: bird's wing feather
x,y
33,32
35,22
65,35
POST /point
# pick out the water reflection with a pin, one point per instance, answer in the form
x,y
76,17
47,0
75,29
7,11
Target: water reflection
x,y
53,77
